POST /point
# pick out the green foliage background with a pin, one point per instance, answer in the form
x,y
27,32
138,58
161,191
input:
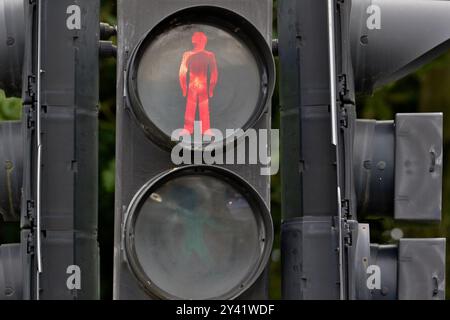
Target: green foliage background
x,y
428,90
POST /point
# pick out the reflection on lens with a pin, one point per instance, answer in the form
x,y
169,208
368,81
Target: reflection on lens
x,y
204,72
197,237
198,73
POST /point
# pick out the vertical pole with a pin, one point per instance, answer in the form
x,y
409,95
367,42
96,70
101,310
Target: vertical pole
x,y
310,184
63,173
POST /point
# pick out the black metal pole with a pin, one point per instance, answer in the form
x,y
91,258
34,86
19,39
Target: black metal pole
x,y
61,186
310,235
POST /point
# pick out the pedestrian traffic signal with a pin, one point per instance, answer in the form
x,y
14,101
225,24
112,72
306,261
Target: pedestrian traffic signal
x,y
197,233
195,83
199,75
200,63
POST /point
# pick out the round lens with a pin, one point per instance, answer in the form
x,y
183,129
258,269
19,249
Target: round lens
x,y
197,237
198,73
198,78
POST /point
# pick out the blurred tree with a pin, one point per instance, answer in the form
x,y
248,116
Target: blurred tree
x,y
107,158
10,108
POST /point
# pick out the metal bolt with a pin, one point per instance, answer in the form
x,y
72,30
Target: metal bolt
x,y
381,165
364,40
9,291
10,41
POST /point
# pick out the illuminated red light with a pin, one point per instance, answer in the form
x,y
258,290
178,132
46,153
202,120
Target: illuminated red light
x,y
196,67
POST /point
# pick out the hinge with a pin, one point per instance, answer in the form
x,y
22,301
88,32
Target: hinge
x,y
348,239
343,89
30,244
344,118
30,209
30,120
31,85
345,208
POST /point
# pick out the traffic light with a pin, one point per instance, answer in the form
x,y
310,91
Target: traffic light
x,y
344,168
195,80
49,158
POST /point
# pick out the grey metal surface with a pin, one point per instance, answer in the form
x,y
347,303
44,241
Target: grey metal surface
x,y
306,132
335,130
411,33
398,166
138,158
316,181
421,272
386,258
374,167
12,37
358,261
11,169
418,166
66,104
306,241
156,252
11,281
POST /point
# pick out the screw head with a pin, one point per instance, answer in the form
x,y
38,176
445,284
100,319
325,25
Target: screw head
x,y
9,291
10,41
381,165
384,291
364,40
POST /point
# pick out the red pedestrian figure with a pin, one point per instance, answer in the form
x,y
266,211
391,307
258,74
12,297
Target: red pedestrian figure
x,y
199,64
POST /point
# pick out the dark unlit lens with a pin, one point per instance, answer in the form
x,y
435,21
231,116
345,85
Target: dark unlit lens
x,y
197,237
